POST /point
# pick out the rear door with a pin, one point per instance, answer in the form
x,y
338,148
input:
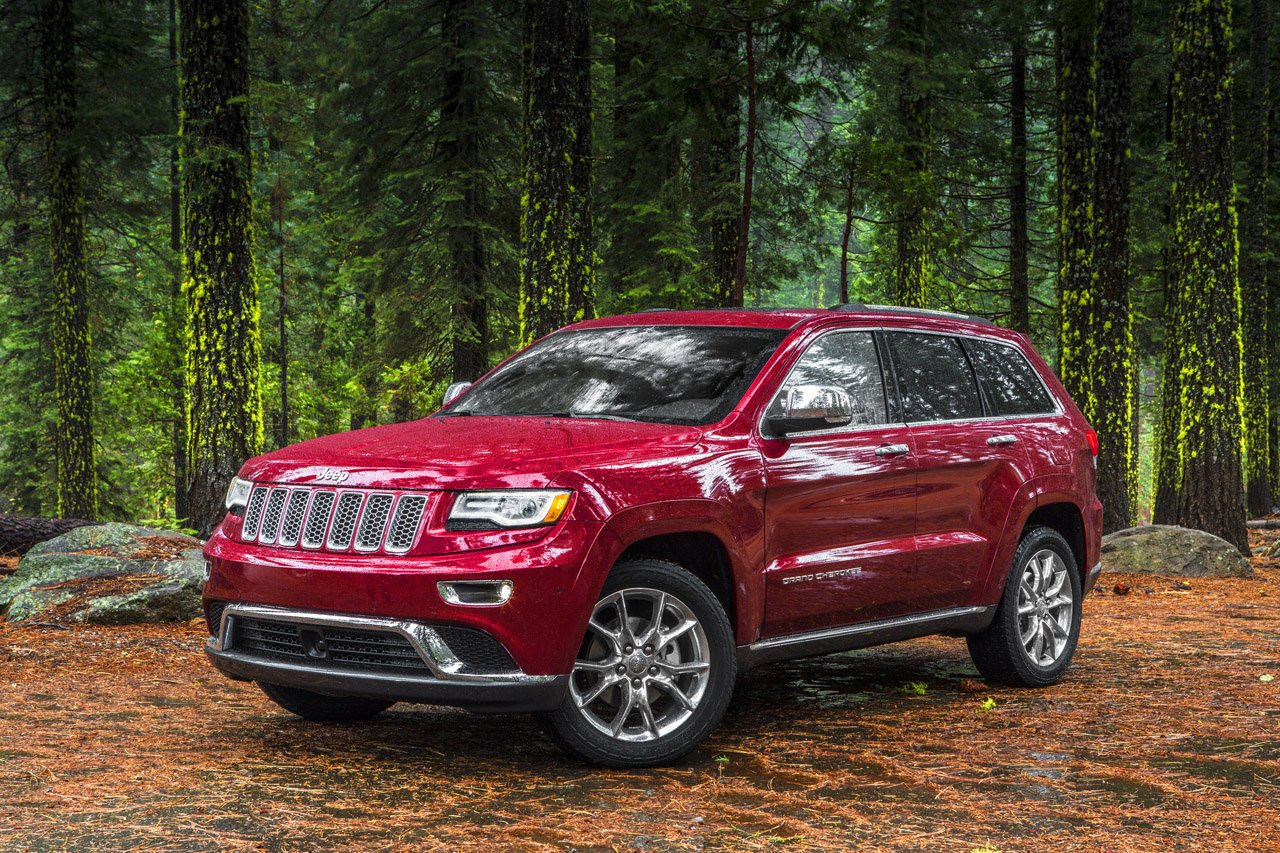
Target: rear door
x,y
840,503
1014,391
969,465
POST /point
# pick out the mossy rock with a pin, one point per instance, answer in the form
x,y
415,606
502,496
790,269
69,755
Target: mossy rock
x,y
113,574
1161,549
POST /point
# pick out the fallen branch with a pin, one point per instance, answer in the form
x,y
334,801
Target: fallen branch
x,y
18,533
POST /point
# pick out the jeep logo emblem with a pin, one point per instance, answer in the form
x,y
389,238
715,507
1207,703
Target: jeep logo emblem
x,y
333,475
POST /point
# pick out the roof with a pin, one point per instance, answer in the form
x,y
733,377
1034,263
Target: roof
x,y
789,318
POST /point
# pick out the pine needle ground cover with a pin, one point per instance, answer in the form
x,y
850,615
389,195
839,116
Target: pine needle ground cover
x,y
1164,736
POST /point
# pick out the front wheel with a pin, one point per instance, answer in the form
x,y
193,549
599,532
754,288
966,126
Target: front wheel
x,y
1037,624
654,672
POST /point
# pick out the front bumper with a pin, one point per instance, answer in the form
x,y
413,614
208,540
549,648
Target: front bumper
x,y
441,677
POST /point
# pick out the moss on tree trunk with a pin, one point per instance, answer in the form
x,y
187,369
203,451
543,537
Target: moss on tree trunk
x,y
1108,331
1208,289
1077,311
1254,295
224,398
72,347
557,265
909,34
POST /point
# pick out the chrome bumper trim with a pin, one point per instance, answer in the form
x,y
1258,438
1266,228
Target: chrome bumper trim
x,y
426,641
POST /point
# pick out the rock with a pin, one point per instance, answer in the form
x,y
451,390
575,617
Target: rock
x,y
1161,549
113,574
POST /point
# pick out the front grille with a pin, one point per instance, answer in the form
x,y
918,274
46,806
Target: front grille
x,y
291,516
325,646
479,652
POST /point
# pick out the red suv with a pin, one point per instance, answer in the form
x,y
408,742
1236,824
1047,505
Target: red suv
x,y
612,524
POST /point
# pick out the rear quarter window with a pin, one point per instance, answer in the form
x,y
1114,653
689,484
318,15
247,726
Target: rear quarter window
x,y
1010,383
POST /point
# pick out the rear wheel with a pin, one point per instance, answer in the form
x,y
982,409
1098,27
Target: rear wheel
x,y
321,708
654,672
1037,624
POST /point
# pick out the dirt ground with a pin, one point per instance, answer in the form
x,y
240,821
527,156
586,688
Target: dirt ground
x,y
1164,736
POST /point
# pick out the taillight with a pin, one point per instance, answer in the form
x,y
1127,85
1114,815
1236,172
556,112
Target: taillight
x,y
1092,437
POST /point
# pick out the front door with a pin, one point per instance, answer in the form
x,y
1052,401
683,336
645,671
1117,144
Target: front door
x,y
840,503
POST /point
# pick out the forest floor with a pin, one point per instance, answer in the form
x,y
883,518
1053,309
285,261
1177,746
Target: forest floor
x,y
1165,735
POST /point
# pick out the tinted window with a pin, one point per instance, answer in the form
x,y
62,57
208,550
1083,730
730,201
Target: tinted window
x,y
934,378
669,374
846,360
1009,381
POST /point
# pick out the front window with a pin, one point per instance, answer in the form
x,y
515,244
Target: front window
x,y
665,374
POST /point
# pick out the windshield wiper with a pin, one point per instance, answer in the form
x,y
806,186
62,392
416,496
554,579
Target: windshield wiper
x,y
579,415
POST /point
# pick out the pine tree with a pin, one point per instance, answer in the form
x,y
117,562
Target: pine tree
x,y
557,250
224,399
910,38
1109,330
1208,289
72,356
715,167
1254,296
1077,311
460,148
1019,283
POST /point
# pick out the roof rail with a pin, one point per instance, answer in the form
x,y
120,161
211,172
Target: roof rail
x,y
899,309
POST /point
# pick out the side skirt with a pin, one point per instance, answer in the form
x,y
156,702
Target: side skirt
x,y
955,620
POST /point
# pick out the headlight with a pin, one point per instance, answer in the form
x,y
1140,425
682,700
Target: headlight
x,y
508,508
238,494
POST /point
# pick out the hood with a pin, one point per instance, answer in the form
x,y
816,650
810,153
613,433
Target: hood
x,y
466,452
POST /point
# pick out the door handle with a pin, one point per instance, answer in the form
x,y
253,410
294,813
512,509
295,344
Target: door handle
x,y
1002,440
892,450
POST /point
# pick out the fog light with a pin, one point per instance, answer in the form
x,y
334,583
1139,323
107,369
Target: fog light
x,y
476,593
208,570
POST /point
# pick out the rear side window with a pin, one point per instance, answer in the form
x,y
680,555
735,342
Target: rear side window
x,y
846,360
934,378
1010,382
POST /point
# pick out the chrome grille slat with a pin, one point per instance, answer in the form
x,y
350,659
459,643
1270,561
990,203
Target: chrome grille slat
x,y
345,516
334,520
405,523
374,522
271,516
253,513
294,513
318,519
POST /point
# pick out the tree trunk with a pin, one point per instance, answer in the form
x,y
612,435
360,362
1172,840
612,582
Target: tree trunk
x,y
1019,282
715,173
1167,461
846,236
1254,296
465,213
557,251
1208,293
748,173
279,201
1109,329
1077,311
224,356
177,321
908,29
72,350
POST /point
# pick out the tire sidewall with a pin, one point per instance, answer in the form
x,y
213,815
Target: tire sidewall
x,y
574,732
1037,540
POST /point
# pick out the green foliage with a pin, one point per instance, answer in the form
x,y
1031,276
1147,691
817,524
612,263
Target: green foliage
x,y
386,142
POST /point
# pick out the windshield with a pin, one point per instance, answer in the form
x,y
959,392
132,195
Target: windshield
x,y
666,374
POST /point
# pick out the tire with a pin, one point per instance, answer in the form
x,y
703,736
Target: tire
x,y
1013,651
621,709
324,709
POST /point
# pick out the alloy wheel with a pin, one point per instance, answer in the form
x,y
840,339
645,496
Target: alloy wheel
x,y
643,666
1045,608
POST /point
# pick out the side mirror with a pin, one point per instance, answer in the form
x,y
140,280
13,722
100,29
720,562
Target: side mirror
x,y
453,392
810,407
